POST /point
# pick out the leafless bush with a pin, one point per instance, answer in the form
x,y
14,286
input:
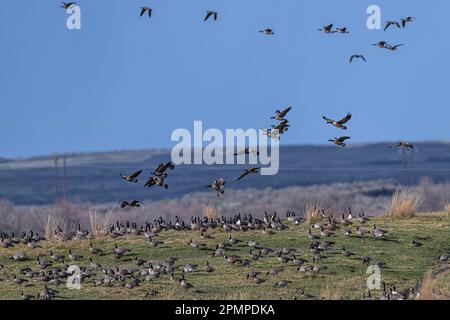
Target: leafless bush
x,y
100,221
212,211
405,203
312,213
55,224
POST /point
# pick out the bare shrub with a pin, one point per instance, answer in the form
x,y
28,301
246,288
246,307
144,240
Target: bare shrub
x,y
428,288
447,208
212,211
405,203
312,213
100,221
55,225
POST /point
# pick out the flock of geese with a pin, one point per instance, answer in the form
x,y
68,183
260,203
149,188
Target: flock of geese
x,y
52,269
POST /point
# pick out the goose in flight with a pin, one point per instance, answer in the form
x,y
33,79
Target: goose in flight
x,y
393,48
357,56
247,172
339,124
247,151
134,204
391,23
279,115
282,127
403,144
160,171
381,44
209,14
339,141
156,181
132,177
271,133
218,186
327,29
68,5
407,20
146,9
342,30
267,31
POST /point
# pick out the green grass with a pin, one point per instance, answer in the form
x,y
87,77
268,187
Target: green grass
x,y
343,278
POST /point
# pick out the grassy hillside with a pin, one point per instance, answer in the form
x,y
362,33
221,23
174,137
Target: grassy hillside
x,y
343,277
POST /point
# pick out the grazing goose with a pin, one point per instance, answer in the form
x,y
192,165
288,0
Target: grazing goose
x,y
119,252
366,260
274,272
208,267
416,244
252,243
132,177
151,293
342,30
327,29
195,245
394,48
339,124
361,232
162,168
247,172
282,283
339,141
94,265
94,250
246,151
357,56
19,257
133,204
279,115
18,281
253,274
209,14
378,233
190,268
325,233
232,240
407,20
312,236
391,23
74,257
347,253
67,5
146,9
403,144
268,32
218,186
258,280
26,297
444,258
138,262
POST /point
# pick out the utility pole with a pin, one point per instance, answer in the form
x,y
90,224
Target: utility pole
x,y
65,179
56,176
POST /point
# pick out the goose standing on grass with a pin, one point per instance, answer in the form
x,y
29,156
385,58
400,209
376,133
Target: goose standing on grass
x,y
94,250
279,115
247,172
338,124
209,14
357,56
407,20
339,141
218,186
132,177
146,9
327,29
377,232
208,267
74,257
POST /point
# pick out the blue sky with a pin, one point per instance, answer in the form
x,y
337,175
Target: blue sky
x,y
125,82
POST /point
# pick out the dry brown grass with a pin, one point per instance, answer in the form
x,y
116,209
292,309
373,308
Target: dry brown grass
x,y
212,211
311,213
428,288
405,203
54,223
447,208
100,221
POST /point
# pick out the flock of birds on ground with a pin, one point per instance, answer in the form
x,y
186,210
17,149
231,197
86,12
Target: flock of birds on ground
x,y
130,278
53,268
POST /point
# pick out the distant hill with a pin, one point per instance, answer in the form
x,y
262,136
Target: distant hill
x,y
94,177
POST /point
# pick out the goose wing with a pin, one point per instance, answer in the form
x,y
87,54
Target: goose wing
x,y
143,9
345,119
342,139
246,173
327,119
284,112
208,14
135,174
